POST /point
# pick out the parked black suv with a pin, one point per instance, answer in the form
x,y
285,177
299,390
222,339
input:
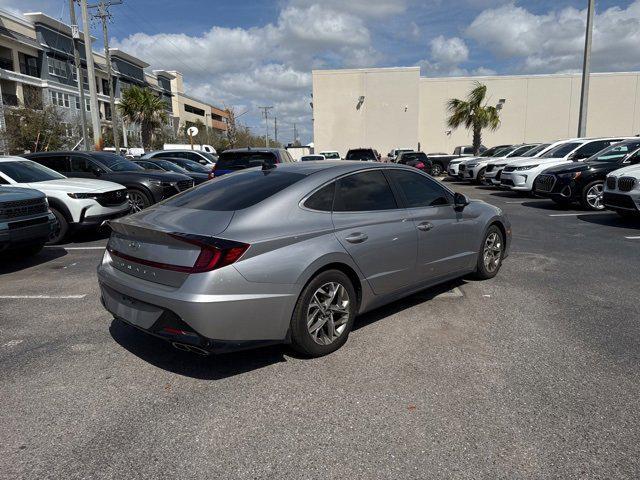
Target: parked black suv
x,y
143,187
417,160
584,181
363,154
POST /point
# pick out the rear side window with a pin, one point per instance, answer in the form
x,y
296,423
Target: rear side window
x,y
59,163
361,192
420,191
81,164
242,160
235,192
361,154
322,200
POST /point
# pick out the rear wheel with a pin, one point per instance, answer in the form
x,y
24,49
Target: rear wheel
x,y
481,178
138,200
491,254
60,227
591,198
324,314
436,170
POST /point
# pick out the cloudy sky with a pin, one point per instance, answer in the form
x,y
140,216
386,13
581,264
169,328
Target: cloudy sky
x,y
251,53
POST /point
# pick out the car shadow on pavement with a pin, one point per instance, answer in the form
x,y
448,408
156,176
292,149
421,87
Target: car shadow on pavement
x,y
405,303
612,220
11,263
213,367
545,204
89,236
508,194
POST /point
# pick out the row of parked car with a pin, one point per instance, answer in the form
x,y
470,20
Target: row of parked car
x,y
597,173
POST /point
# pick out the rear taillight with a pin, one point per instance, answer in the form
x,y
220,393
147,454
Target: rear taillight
x,y
212,173
214,254
420,165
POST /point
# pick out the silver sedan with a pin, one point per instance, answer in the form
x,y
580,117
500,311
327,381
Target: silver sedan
x,y
292,254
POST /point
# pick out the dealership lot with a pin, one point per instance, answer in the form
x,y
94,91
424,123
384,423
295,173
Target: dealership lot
x,y
532,374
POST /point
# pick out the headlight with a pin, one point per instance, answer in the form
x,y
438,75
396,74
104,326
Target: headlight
x,y
79,196
160,183
471,165
527,167
46,201
571,176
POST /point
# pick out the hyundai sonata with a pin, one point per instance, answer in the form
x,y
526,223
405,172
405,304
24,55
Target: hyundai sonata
x,y
291,253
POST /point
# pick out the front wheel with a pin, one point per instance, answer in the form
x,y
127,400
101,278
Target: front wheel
x,y
138,200
491,254
591,198
436,170
60,228
324,314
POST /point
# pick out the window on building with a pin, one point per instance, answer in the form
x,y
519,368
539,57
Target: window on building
x,y
194,110
77,101
87,104
57,67
29,65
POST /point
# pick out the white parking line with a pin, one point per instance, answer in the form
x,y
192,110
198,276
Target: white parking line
x,y
41,297
77,248
633,238
578,214
519,201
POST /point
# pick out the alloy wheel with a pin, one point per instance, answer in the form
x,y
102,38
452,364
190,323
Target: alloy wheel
x,y
492,252
436,170
594,196
137,201
328,313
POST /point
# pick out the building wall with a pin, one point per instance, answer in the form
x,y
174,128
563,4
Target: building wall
x,y
537,108
386,119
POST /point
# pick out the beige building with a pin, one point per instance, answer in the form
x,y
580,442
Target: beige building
x,y
388,108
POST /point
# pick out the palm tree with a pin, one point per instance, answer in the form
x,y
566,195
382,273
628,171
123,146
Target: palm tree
x,y
142,106
474,114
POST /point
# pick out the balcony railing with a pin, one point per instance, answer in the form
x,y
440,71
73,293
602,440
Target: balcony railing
x,y
6,63
10,100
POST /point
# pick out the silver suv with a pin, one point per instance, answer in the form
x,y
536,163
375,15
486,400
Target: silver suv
x,y
292,253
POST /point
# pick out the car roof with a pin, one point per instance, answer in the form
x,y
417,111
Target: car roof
x,y
12,159
253,149
339,166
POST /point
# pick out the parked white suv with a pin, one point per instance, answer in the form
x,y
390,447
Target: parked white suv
x,y
622,191
493,169
474,170
521,174
75,202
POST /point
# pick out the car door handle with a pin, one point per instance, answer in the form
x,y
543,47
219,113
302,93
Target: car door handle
x,y
356,238
425,226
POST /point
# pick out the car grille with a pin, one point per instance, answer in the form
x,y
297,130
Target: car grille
x,y
545,183
509,169
626,184
616,200
185,184
611,183
498,175
22,208
112,199
461,168
507,181
490,168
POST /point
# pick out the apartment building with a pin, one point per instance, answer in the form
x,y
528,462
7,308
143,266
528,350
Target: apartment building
x,y
37,67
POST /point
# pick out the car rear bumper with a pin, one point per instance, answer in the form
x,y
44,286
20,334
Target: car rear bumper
x,y
25,232
241,313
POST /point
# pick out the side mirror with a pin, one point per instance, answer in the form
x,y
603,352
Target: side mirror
x,y
460,201
97,171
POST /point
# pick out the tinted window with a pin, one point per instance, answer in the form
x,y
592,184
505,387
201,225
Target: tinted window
x,y
364,191
535,150
361,154
561,150
241,160
235,192
616,152
493,151
311,158
192,166
420,191
81,164
115,162
323,199
148,165
26,171
413,156
592,148
169,166
59,163
520,151
331,155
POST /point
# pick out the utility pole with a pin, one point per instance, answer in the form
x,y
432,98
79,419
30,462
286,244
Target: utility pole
x,y
586,71
295,134
75,33
104,15
91,76
265,112
275,128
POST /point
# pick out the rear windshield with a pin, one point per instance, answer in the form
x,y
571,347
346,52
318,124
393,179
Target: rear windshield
x,y
235,192
419,156
535,150
241,160
361,154
26,171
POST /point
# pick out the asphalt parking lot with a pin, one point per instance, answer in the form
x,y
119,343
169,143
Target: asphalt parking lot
x,y
534,374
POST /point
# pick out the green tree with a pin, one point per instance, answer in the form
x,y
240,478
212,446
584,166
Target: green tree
x,y
31,130
474,114
142,106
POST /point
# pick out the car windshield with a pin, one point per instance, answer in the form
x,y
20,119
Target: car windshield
x,y
493,151
361,154
26,171
561,150
172,167
535,150
311,158
331,155
191,166
518,152
235,192
241,160
615,153
115,162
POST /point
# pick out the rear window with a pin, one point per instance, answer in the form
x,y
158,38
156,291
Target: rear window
x,y
235,192
361,154
242,160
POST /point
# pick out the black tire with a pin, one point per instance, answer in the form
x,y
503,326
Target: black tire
x,y
584,200
484,271
138,199
60,228
480,178
436,170
301,339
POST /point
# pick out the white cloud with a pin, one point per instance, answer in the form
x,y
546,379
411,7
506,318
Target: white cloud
x,y
449,51
554,41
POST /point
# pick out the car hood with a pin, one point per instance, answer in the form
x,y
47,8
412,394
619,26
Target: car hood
x,y
523,162
568,168
149,175
75,185
630,171
11,194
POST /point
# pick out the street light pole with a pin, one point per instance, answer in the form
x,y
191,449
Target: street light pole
x,y
586,70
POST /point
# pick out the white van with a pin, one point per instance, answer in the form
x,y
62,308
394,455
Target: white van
x,y
187,146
